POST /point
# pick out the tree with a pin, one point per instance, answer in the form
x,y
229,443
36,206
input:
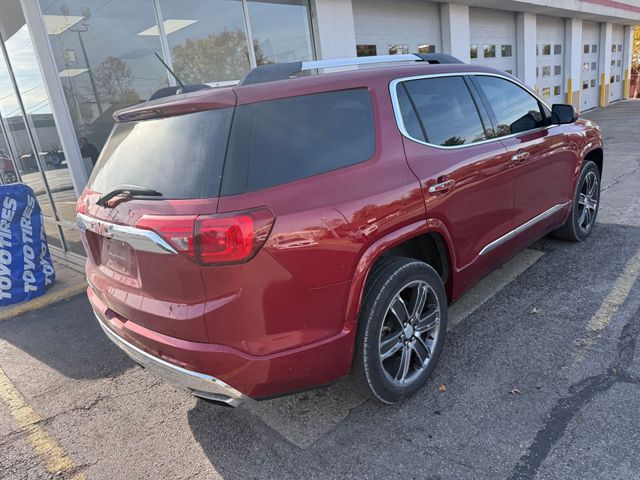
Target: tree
x,y
214,58
635,62
113,79
79,106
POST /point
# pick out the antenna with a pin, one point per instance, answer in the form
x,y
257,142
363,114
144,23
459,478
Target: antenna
x,y
169,70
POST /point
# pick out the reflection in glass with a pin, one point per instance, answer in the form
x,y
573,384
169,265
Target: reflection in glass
x,y
281,30
105,59
446,110
514,108
7,169
16,128
208,41
40,121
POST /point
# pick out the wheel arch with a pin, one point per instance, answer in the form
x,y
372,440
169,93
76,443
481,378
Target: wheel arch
x,y
425,240
596,155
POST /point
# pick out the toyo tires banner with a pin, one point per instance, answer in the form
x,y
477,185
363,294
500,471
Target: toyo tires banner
x,y
25,263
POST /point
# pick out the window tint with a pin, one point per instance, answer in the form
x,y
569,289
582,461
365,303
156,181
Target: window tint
x,y
278,141
446,110
409,117
515,110
181,157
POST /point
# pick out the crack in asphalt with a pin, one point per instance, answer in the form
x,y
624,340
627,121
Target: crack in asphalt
x,y
617,179
581,393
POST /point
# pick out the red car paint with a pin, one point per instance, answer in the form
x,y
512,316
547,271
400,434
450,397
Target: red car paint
x,y
286,320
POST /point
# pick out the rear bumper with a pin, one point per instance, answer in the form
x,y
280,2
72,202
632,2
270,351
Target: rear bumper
x,y
201,385
209,369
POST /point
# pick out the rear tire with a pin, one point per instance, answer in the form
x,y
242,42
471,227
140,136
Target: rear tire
x,y
401,329
584,207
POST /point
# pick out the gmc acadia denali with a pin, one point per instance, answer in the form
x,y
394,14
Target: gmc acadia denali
x,y
297,228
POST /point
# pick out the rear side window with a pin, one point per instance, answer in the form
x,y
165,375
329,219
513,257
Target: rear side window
x,y
514,109
446,110
180,157
410,119
278,141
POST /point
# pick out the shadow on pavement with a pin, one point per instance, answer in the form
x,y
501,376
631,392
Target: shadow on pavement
x,y
525,338
66,337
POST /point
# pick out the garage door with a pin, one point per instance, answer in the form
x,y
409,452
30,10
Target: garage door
x,y
402,26
493,38
615,77
550,59
590,40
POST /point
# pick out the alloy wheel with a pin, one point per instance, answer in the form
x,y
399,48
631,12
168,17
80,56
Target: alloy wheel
x,y
409,333
588,201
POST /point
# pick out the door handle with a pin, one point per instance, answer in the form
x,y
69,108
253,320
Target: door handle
x,y
442,187
520,157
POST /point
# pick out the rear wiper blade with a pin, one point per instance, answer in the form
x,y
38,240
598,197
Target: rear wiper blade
x,y
130,191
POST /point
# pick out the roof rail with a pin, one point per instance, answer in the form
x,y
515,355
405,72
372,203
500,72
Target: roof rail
x,y
282,71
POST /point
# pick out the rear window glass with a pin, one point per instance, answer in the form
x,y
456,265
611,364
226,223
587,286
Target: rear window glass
x,y
278,141
181,157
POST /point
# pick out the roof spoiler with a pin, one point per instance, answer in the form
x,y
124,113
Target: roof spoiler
x,y
177,90
282,71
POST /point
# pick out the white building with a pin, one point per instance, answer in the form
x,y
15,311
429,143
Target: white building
x,y
67,65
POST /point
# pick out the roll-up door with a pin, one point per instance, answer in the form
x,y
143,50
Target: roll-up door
x,y
550,75
493,38
590,68
616,78
402,26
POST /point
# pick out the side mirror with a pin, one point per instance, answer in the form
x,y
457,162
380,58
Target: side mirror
x,y
563,113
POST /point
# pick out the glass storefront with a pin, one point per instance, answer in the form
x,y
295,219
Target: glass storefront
x,y
104,55
30,149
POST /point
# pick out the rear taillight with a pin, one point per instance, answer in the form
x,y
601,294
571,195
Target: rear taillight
x,y
213,239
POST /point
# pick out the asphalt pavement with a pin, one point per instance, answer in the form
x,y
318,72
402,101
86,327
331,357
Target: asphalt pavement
x,y
539,379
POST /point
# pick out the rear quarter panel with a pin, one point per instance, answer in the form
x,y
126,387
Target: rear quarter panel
x,y
325,223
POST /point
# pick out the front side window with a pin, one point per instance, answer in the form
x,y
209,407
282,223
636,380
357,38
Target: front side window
x,y
514,109
446,111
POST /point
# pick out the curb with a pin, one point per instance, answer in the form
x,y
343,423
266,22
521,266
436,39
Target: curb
x,y
43,301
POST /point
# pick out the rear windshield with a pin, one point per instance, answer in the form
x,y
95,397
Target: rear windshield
x,y
278,141
180,157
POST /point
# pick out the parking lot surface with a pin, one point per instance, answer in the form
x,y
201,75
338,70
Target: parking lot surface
x,y
539,379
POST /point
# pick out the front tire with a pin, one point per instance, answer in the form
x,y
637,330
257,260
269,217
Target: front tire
x,y
401,329
584,208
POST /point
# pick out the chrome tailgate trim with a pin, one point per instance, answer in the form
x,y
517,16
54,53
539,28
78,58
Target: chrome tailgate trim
x,y
140,239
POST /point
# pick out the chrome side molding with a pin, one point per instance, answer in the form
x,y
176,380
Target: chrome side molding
x,y
510,235
138,238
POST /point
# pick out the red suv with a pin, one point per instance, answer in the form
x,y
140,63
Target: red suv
x,y
250,241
